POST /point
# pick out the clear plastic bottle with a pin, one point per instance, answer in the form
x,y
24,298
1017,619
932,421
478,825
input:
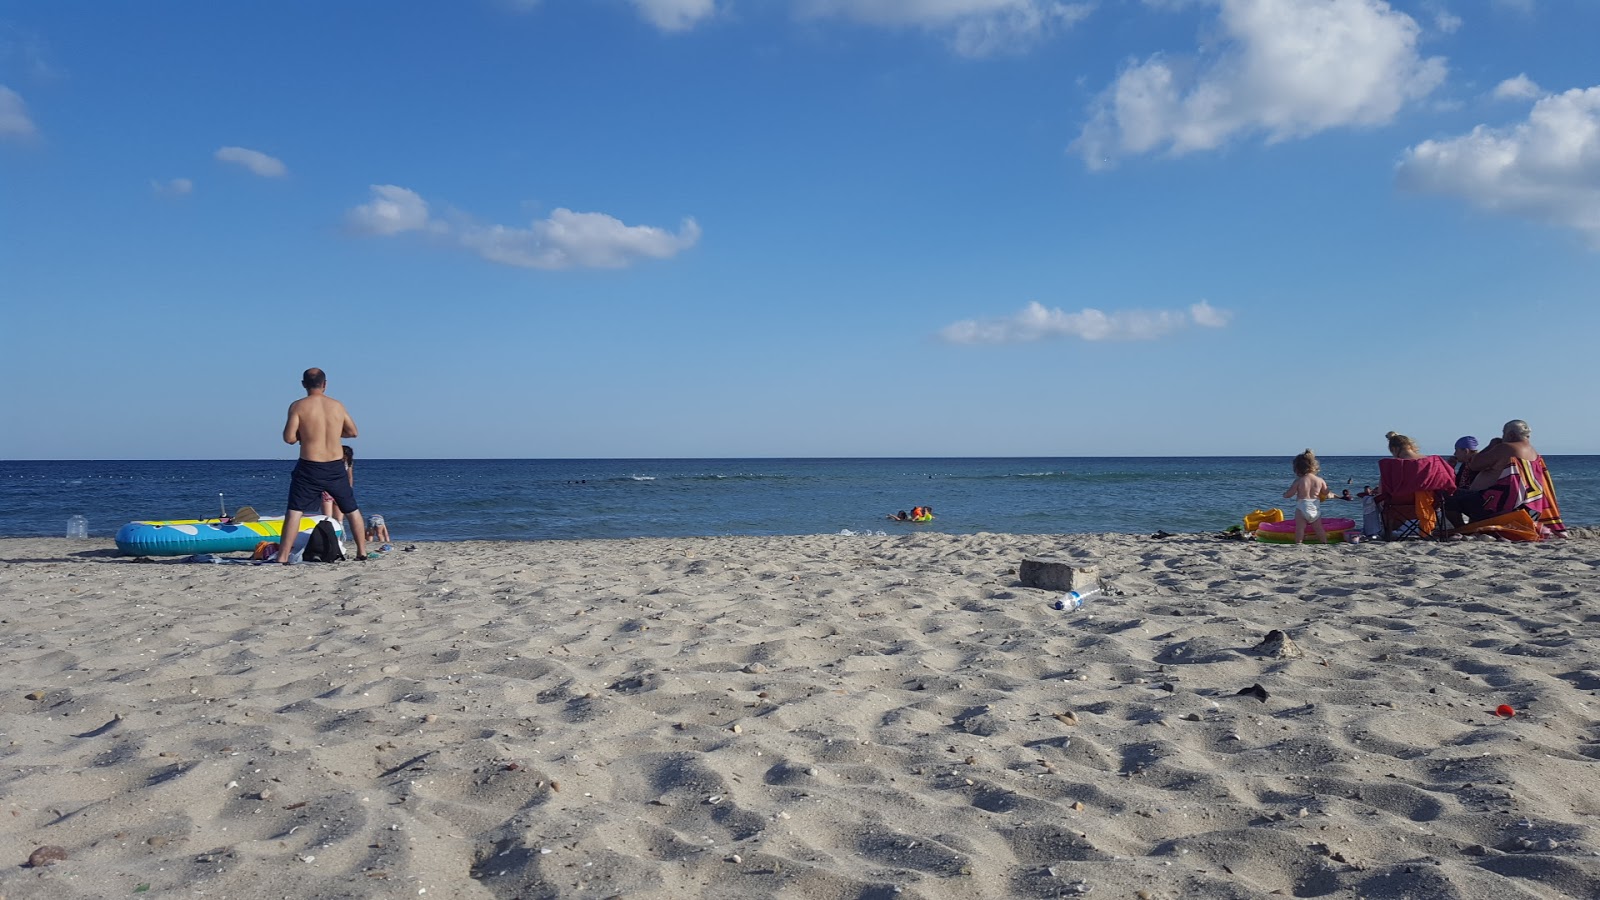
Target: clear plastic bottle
x,y
77,528
1074,599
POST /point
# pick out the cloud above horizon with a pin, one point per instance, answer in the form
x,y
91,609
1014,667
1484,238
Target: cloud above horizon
x,y
564,240
254,160
1038,323
1520,87
14,119
975,28
675,15
1285,69
1546,168
176,187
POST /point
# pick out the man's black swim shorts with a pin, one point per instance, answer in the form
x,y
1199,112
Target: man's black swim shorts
x,y
311,479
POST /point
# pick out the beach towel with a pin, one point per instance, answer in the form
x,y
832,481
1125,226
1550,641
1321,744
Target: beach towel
x,y
1526,485
1549,514
1516,525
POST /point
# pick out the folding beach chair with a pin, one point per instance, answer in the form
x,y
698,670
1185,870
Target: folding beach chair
x,y
1411,495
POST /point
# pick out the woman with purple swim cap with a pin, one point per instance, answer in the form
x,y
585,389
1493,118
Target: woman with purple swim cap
x,y
1466,449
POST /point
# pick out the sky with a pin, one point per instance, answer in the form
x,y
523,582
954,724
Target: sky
x,y
769,228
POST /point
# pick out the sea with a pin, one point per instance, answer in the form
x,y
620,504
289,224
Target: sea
x,y
566,499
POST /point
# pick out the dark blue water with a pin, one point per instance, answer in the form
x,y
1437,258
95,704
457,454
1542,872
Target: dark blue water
x,y
545,499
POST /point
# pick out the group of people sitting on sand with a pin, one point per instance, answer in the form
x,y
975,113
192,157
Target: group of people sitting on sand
x,y
1503,488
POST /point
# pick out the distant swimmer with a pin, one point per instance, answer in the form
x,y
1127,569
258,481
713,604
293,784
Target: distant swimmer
x,y
917,514
900,516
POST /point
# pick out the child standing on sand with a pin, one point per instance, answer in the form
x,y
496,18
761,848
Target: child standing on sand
x,y
1307,493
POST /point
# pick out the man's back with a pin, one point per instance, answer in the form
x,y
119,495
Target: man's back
x,y
319,422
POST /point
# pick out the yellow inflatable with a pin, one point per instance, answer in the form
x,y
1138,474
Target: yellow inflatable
x,y
1255,520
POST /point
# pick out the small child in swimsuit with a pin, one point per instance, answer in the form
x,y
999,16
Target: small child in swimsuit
x,y
1307,493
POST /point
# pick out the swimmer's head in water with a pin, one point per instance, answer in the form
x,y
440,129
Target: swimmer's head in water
x,y
314,378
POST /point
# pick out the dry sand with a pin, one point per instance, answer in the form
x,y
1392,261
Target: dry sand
x,y
819,717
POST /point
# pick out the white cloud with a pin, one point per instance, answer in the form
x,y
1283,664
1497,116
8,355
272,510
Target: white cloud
x,y
14,121
392,210
1519,88
1036,323
1286,69
1546,169
975,27
254,160
1447,22
565,240
177,187
570,240
675,15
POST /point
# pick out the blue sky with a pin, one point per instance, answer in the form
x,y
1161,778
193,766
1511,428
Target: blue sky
x,y
639,228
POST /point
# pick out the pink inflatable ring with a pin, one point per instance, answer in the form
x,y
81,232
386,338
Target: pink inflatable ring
x,y
1283,532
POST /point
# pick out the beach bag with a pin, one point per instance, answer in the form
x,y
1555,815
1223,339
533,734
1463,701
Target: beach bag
x,y
1371,520
323,544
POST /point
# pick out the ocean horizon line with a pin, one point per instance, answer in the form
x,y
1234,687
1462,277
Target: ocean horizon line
x,y
558,459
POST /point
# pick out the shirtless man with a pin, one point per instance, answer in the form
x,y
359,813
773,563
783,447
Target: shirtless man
x,y
1516,442
318,423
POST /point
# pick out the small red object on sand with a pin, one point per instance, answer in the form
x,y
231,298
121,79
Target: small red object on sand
x,y
1504,711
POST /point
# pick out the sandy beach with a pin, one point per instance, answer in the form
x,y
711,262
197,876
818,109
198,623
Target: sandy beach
x,y
840,716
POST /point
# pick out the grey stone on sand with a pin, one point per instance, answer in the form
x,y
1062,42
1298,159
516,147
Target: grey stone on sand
x,y
1052,574
1279,645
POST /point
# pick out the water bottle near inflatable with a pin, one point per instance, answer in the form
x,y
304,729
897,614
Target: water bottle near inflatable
x,y
78,528
1072,600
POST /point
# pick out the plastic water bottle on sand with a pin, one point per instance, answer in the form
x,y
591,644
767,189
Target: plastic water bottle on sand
x,y
78,528
1072,600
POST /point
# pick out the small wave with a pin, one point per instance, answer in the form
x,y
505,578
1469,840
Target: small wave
x,y
641,478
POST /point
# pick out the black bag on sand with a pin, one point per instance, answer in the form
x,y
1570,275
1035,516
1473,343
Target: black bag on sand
x,y
323,544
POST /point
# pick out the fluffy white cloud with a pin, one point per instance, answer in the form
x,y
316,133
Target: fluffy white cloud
x,y
1546,168
570,240
1519,88
675,15
177,187
254,160
975,27
14,121
392,210
565,240
1036,323
1285,68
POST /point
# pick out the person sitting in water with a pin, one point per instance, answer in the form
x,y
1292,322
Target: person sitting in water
x,y
922,514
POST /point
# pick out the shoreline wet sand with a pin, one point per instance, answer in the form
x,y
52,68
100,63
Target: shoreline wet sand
x,y
824,717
